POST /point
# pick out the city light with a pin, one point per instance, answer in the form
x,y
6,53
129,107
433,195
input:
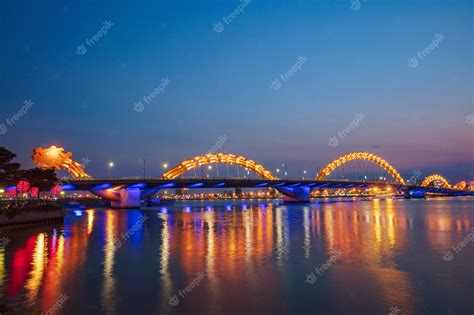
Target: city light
x,y
165,165
110,165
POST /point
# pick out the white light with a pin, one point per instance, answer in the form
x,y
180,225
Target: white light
x,y
111,164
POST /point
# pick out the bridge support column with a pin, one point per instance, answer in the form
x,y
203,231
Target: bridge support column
x,y
129,198
296,195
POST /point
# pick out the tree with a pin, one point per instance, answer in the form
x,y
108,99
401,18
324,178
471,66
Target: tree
x,y
43,179
10,172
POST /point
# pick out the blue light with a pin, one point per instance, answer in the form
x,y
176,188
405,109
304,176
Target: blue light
x,y
101,187
228,208
262,185
164,210
196,185
295,185
169,185
209,209
280,184
219,185
68,187
187,209
244,207
141,185
78,213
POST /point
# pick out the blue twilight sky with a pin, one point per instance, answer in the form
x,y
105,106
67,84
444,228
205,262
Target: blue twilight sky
x,y
357,62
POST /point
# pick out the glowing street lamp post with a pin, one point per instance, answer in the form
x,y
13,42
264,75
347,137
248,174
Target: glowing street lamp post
x,y
110,165
286,170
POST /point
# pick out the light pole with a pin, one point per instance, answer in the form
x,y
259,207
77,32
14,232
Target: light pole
x,y
144,168
110,165
164,166
286,170
304,173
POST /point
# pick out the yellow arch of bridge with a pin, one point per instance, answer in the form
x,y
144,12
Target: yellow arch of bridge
x,y
222,158
435,178
461,185
365,156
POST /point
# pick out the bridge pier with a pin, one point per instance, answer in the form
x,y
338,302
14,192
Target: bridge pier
x,y
296,194
129,198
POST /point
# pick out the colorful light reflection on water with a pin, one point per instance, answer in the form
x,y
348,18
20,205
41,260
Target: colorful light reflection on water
x,y
255,257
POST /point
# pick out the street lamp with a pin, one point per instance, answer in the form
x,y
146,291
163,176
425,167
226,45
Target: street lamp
x,y
110,165
304,172
165,165
286,170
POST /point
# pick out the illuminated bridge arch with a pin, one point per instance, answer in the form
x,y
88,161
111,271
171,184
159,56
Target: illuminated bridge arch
x,y
231,159
461,185
360,156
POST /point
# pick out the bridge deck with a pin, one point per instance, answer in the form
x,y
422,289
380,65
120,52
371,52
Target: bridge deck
x,y
158,183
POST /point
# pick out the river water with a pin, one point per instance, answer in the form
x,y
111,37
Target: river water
x,y
246,257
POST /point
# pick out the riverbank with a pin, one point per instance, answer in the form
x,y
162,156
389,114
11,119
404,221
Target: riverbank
x,y
13,215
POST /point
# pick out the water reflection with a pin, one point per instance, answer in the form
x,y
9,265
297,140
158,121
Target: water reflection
x,y
255,253
112,242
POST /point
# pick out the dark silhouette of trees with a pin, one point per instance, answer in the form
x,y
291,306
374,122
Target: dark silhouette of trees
x,y
43,179
10,172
